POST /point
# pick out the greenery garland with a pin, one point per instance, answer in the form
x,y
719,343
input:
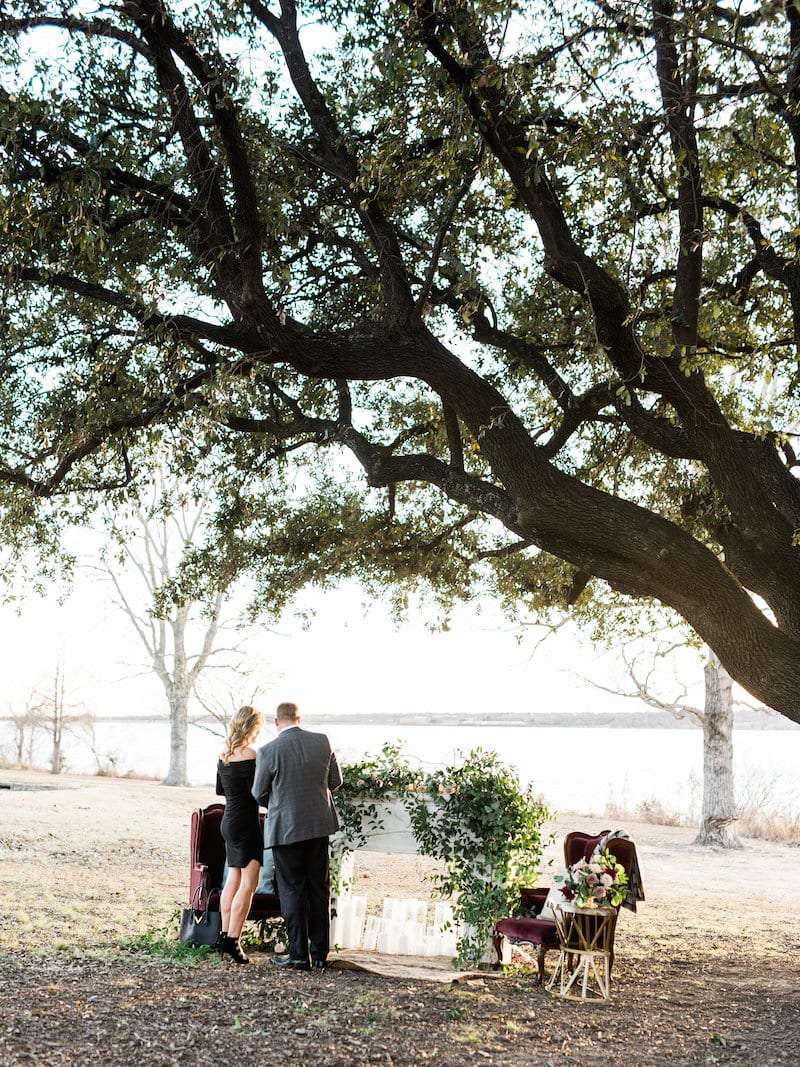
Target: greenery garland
x,y
476,817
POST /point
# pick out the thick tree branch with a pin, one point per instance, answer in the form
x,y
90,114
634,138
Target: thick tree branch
x,y
216,227
678,112
454,442
211,74
441,233
182,327
337,159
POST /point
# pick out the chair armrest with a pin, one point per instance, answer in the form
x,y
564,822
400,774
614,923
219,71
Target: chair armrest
x,y
198,878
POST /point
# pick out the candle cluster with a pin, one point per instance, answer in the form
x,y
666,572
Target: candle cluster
x,y
403,929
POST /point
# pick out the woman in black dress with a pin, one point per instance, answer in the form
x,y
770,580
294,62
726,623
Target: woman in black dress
x,y
244,841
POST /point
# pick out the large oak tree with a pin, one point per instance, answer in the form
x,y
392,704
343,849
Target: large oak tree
x,y
533,266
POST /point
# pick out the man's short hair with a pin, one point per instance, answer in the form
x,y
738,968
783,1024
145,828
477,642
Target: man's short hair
x,y
287,712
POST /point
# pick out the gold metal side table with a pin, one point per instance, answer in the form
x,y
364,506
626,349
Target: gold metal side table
x,y
584,963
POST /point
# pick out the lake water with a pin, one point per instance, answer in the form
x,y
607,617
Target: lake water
x,y
571,768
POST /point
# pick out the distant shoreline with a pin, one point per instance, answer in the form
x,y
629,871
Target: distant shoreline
x,y
638,720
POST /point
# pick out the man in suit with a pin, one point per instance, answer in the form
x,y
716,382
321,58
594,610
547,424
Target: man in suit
x,y
296,773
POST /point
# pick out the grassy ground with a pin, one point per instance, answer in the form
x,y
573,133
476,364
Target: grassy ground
x,y
90,872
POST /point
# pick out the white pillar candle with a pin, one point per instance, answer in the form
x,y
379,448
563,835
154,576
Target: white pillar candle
x,y
433,945
450,938
443,914
343,923
356,928
394,929
415,934
346,871
373,929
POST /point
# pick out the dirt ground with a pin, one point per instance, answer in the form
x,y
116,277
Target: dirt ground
x,y
706,972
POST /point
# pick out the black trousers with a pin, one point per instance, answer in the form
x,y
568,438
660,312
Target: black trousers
x,y
302,873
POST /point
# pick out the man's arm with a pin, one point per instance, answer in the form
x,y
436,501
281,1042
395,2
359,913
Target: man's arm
x,y
262,781
334,774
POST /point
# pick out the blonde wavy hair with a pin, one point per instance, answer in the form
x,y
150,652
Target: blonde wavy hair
x,y
243,727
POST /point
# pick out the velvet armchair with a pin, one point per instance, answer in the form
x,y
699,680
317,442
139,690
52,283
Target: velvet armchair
x,y
540,931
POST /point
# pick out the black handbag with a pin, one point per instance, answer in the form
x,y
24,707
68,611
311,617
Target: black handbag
x,y
200,925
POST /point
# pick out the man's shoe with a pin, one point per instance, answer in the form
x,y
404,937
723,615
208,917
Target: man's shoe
x,y
319,965
290,962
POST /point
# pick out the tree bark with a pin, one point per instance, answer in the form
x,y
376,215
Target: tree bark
x,y
57,760
717,822
178,731
178,688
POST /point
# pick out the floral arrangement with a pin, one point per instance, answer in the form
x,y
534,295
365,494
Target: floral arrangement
x,y
599,882
475,817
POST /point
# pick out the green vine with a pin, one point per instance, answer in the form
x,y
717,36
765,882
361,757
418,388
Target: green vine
x,y
386,775
476,817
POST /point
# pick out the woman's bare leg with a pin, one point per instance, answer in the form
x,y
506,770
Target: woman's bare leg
x,y
243,897
229,891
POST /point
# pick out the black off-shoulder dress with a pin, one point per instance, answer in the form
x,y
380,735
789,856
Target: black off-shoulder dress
x,y
240,827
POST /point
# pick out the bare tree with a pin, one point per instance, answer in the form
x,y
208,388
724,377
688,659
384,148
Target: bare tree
x,y
178,631
220,701
56,717
106,762
25,724
718,816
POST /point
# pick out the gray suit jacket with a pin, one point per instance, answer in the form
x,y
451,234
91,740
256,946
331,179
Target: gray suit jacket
x,y
295,776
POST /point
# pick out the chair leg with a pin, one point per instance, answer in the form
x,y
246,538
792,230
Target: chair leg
x,y
540,960
497,940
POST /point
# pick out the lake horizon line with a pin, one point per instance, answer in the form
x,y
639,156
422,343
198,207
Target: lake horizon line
x,y
639,720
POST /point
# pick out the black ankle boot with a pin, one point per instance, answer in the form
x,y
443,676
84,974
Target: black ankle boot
x,y
220,941
231,947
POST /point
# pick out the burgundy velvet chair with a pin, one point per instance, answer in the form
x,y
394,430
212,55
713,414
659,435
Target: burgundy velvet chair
x,y
542,932
528,929
207,859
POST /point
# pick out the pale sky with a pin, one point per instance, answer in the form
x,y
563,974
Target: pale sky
x,y
348,660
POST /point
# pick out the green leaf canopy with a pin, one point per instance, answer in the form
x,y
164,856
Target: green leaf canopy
x,y
533,267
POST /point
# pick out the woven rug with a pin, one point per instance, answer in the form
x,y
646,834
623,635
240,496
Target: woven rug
x,y
419,968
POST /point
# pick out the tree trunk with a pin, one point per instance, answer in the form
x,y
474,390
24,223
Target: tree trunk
x,y
717,827
177,775
30,743
19,740
178,731
57,760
